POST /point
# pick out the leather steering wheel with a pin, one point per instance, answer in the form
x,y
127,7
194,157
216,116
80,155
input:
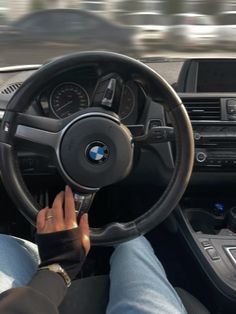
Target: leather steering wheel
x,y
72,141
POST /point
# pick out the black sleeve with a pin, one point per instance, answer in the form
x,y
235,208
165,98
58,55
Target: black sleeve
x,y
41,296
47,289
64,248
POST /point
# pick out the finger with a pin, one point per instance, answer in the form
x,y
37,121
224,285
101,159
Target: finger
x,y
84,232
70,215
50,225
41,220
57,210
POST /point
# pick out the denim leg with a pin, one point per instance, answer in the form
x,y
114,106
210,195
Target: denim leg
x,y
138,283
19,260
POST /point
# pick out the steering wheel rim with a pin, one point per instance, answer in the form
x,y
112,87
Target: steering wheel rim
x,y
116,232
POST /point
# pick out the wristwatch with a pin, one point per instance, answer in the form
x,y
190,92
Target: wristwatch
x,y
56,268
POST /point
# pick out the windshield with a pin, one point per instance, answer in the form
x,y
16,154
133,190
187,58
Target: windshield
x,y
36,31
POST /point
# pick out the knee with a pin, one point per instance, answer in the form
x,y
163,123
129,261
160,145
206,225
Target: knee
x,y
132,247
139,242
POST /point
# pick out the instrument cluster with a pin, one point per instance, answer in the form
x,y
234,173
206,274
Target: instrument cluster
x,y
70,94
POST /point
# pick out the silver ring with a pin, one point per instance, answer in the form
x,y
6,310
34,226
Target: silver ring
x,y
49,217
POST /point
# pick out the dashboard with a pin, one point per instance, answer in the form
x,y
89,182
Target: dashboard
x,y
206,87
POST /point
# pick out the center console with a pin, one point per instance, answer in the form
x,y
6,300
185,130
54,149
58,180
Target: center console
x,y
212,239
207,88
208,91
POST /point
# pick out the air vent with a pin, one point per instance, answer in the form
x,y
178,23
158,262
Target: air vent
x,y
10,88
203,108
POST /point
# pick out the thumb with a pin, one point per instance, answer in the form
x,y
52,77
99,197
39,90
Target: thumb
x,y
84,232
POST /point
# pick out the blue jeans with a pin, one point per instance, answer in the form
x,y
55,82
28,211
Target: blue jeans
x,y
138,280
138,283
18,261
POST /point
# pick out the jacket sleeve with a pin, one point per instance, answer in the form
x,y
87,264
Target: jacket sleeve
x,y
41,296
64,248
47,289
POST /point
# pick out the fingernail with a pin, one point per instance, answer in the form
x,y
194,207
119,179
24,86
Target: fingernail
x,y
85,217
67,188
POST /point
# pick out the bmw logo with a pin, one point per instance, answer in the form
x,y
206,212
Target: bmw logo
x,y
97,152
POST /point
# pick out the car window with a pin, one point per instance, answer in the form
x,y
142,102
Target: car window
x,y
92,5
191,20
227,19
178,20
58,22
143,19
36,23
203,20
73,22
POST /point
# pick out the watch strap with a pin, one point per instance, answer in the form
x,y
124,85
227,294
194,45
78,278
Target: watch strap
x,y
59,270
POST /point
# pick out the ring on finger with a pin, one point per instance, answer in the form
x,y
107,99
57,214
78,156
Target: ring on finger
x,y
49,217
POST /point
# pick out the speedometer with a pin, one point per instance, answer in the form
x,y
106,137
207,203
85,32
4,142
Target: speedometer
x,y
68,98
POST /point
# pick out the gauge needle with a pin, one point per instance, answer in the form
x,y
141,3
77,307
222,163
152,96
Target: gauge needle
x,y
66,104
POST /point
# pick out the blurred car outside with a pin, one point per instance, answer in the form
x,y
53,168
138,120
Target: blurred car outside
x,y
191,31
226,28
151,28
58,28
97,7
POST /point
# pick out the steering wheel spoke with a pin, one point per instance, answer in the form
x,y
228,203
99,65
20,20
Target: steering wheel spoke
x,y
43,123
37,136
40,130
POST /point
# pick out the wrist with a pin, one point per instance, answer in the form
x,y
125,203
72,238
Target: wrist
x,y
56,268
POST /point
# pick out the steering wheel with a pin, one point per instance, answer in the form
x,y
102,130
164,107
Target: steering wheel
x,y
92,148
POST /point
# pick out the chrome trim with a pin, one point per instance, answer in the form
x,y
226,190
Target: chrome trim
x,y
20,68
209,122
230,254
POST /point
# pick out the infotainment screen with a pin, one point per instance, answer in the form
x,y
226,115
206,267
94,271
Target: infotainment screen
x,y
216,76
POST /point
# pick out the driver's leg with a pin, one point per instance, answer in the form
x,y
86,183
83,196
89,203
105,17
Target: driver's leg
x,y
18,261
138,283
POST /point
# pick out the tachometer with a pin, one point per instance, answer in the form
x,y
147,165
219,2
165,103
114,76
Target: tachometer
x,y
127,103
68,98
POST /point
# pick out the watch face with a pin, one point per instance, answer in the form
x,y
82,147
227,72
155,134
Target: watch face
x,y
56,268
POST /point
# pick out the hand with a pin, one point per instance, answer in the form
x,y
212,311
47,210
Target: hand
x,y
54,219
